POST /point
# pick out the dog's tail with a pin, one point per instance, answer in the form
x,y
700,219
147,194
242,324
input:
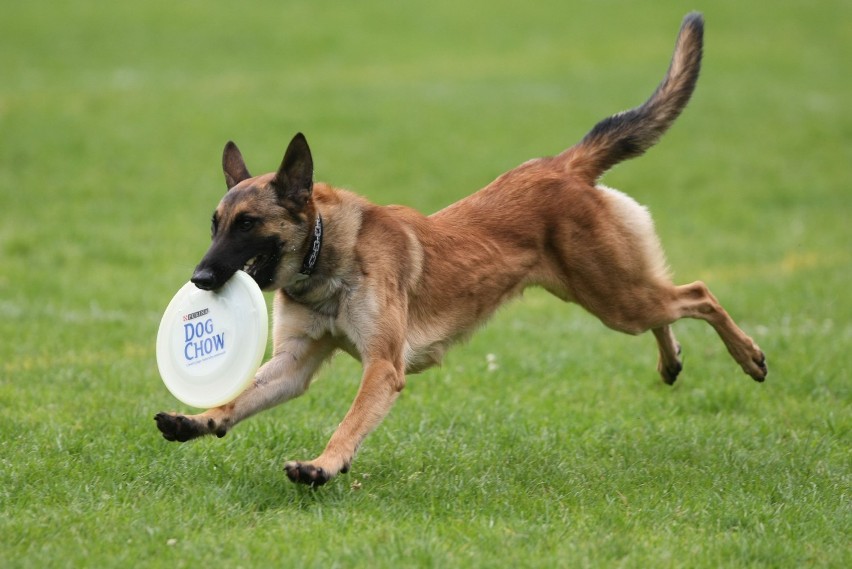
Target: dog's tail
x,y
630,133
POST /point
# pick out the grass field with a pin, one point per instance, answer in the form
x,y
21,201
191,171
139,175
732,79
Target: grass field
x,y
570,453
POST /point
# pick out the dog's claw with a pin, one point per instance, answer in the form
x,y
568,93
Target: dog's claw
x,y
760,362
305,473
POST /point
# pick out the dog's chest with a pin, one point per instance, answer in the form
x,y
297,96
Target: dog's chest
x,y
425,347
421,358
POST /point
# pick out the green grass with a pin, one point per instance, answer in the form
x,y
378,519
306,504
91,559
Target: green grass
x,y
571,453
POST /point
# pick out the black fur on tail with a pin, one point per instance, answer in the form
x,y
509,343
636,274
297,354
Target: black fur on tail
x,y
630,133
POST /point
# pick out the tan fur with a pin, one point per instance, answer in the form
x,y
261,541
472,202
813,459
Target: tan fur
x,y
396,289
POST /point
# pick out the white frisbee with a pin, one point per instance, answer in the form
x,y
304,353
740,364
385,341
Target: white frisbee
x,y
210,343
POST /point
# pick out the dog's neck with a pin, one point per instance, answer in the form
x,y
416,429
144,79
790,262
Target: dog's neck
x,y
301,286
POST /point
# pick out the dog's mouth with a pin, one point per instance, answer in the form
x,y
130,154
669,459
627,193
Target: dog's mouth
x,y
251,264
262,268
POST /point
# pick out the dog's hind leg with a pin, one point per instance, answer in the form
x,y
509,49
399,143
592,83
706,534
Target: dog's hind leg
x,y
670,364
696,301
635,310
656,308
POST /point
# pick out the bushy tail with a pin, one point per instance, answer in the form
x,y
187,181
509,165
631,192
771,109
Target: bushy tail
x,y
630,133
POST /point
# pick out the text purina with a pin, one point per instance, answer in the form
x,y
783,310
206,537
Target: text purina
x,y
200,342
193,315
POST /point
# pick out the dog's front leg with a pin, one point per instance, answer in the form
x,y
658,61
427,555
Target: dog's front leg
x,y
381,383
286,376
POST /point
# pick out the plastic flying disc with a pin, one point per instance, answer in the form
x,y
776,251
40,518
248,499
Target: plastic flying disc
x,y
210,343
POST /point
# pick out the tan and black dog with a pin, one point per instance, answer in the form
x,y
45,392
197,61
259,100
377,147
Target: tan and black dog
x,y
395,289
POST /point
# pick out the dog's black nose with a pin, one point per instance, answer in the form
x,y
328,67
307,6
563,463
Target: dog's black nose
x,y
204,278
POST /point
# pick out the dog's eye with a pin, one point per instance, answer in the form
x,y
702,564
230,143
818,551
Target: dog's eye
x,y
245,224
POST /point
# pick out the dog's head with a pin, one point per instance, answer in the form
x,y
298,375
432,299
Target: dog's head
x,y
263,224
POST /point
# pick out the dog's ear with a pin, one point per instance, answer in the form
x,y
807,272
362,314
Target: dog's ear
x,y
233,165
295,177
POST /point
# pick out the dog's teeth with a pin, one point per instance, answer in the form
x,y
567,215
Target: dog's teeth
x,y
249,264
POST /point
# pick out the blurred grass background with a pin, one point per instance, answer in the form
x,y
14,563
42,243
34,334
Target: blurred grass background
x,y
112,122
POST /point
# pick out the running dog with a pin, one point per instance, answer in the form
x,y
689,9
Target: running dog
x,y
395,289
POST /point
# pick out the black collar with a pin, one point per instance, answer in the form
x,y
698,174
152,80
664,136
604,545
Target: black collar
x,y
310,260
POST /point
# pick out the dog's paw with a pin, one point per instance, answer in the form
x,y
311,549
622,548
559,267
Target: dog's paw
x,y
751,359
178,427
670,373
669,370
307,473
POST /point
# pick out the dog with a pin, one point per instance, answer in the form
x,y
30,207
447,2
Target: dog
x,y
395,289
